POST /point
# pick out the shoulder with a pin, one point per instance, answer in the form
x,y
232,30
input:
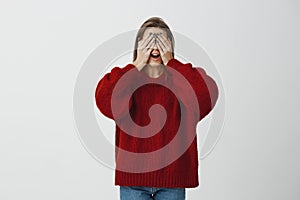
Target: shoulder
x,y
186,68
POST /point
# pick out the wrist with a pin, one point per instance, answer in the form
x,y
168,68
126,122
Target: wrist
x,y
170,61
168,57
137,65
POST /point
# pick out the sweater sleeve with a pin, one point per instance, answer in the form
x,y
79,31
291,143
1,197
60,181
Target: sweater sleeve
x,y
106,87
203,85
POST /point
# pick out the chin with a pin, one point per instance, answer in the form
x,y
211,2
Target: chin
x,y
155,64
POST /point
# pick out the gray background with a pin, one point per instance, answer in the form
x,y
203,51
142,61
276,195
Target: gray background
x,y
254,44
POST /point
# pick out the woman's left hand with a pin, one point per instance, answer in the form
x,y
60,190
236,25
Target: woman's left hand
x,y
165,48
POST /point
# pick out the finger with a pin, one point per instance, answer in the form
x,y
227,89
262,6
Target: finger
x,y
166,48
165,42
145,44
151,47
160,48
165,38
161,42
147,51
142,44
146,41
150,44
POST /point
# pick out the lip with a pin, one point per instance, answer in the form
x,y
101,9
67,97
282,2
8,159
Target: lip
x,y
155,52
155,59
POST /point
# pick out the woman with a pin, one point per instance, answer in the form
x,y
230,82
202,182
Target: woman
x,y
155,65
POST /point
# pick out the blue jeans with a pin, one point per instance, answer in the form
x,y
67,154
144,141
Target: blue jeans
x,y
149,193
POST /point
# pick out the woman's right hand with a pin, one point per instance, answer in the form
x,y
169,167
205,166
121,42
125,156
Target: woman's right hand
x,y
144,49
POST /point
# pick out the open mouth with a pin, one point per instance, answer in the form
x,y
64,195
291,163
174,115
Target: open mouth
x,y
155,55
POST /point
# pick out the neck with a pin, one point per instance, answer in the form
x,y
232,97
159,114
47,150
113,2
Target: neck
x,y
154,71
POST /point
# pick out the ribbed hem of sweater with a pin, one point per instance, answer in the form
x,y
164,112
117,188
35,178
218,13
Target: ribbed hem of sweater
x,y
158,179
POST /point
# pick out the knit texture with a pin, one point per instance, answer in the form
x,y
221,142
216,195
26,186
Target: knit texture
x,y
182,116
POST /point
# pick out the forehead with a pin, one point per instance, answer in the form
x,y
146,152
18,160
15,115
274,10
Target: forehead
x,y
154,30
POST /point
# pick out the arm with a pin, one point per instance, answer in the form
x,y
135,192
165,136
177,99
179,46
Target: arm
x,y
106,87
203,85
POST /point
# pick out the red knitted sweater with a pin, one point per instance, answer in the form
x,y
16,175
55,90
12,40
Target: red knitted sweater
x,y
131,108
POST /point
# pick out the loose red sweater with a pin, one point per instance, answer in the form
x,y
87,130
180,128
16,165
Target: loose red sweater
x,y
141,157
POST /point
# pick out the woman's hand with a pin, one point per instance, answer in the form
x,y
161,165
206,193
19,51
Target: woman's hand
x,y
165,48
144,49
